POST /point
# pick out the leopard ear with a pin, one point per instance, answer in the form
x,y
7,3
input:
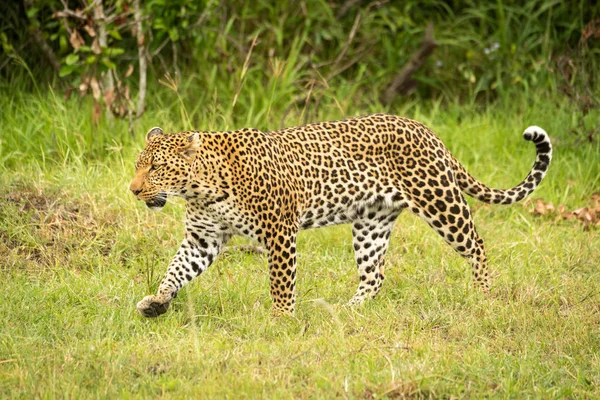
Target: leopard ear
x,y
153,133
190,144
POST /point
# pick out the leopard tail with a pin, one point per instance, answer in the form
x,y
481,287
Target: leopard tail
x,y
474,188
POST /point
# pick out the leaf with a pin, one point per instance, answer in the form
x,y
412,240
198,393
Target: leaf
x,y
109,97
32,12
96,113
108,64
71,59
540,208
90,30
114,51
126,94
568,216
174,34
6,46
62,42
96,47
95,88
83,87
115,34
589,216
129,71
76,40
66,70
583,214
90,59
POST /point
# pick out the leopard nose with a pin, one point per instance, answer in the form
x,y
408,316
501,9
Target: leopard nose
x,y
136,191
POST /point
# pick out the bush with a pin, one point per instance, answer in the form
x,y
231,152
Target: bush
x,y
486,51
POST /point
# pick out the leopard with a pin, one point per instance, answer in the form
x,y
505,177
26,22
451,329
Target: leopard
x,y
268,186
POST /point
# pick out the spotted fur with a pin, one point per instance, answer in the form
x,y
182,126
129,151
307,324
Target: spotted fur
x,y
268,186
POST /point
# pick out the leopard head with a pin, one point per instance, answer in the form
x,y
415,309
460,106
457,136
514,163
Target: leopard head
x,y
164,167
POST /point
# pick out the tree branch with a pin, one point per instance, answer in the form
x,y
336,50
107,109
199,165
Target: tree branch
x,y
142,59
403,81
99,20
39,39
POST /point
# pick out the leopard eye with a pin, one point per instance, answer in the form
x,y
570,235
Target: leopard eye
x,y
152,167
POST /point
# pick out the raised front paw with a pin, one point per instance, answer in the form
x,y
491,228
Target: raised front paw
x,y
152,306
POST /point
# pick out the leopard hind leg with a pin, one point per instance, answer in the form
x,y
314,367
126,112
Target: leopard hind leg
x,y
371,231
449,215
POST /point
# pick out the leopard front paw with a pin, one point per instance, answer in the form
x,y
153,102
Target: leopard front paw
x,y
282,311
152,306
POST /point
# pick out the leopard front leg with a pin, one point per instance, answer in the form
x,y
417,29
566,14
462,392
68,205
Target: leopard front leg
x,y
196,253
282,270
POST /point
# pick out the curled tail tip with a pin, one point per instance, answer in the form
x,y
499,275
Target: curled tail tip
x,y
535,133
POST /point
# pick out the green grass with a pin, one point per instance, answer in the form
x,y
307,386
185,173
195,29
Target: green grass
x,y
77,253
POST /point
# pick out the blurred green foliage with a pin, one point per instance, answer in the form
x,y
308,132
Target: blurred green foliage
x,y
486,49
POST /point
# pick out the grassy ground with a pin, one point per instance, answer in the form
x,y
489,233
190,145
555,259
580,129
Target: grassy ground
x,y
77,253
